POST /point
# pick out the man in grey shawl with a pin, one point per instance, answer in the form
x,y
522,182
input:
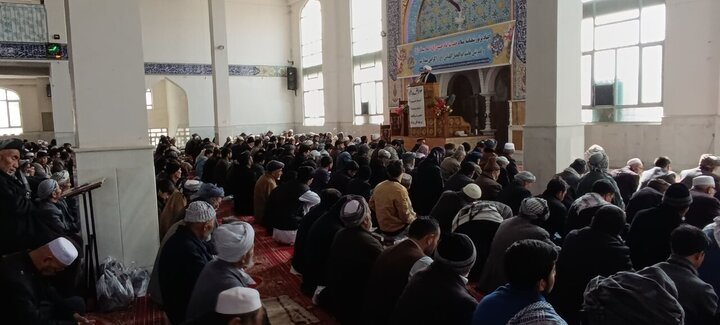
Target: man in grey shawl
x,y
235,247
598,165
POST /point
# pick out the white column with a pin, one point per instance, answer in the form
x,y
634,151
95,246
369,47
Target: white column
x,y
60,84
488,123
221,73
337,64
106,69
553,134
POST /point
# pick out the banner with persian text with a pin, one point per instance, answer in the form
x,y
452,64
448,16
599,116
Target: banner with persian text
x,y
477,48
416,106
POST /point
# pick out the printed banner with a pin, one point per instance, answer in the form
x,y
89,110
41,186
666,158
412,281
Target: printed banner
x,y
416,106
481,47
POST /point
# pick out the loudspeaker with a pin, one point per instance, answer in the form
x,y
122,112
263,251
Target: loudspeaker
x,y
292,78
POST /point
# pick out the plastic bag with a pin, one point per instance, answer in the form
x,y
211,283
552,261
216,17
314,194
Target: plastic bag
x,y
115,287
140,279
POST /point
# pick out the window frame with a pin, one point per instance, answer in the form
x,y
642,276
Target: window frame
x,y
361,62
11,129
592,53
314,71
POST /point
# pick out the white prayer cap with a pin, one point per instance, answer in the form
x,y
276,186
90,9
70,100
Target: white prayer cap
x,y
473,191
238,300
375,136
634,161
199,211
427,68
703,181
509,146
233,240
63,250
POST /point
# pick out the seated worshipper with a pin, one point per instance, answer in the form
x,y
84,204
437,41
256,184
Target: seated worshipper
x,y
709,166
463,177
488,181
360,184
391,203
427,183
235,246
646,198
583,209
426,76
241,179
317,247
697,298
165,189
63,179
554,195
389,275
628,178
340,179
16,206
183,258
685,172
352,256
328,197
526,225
28,297
42,166
704,207
598,165
209,193
287,205
514,194
55,217
175,207
321,177
508,151
264,186
171,172
649,235
662,167
530,270
709,271
450,204
451,165
408,160
587,253
235,306
378,167
439,294
480,221
571,176
503,179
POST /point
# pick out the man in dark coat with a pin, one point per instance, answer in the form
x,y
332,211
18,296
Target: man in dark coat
x,y
646,198
587,253
583,209
697,298
321,177
451,202
352,256
517,191
183,258
649,236
463,177
391,271
340,179
488,180
16,206
705,207
328,197
427,183
28,297
438,295
598,165
571,176
221,167
360,184
285,206
317,249
628,178
240,183
708,166
554,194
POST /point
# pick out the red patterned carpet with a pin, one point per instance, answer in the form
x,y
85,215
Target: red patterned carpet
x,y
271,272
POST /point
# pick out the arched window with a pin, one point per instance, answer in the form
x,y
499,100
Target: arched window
x,y
622,60
10,120
367,61
311,50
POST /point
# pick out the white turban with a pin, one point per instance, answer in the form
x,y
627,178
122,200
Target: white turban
x,y
61,177
234,240
46,188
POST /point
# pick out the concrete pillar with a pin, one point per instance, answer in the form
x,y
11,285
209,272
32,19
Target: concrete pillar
x,y
221,73
60,84
337,64
553,134
488,124
106,70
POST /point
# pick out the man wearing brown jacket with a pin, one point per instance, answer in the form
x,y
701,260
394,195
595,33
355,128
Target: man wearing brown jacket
x,y
391,203
265,184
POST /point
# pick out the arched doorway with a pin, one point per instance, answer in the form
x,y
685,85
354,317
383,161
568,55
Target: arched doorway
x,y
465,101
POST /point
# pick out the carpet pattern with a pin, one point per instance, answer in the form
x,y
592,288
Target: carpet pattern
x,y
279,288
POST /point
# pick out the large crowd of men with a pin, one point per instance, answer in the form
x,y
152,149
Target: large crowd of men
x,y
387,235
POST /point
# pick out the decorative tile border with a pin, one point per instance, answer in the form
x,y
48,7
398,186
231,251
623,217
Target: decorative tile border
x,y
28,51
393,35
519,68
191,69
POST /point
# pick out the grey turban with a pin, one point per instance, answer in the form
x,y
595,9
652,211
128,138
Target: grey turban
x,y
234,240
353,211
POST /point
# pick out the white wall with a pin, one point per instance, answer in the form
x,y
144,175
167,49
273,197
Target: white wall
x,y
33,101
691,86
176,31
